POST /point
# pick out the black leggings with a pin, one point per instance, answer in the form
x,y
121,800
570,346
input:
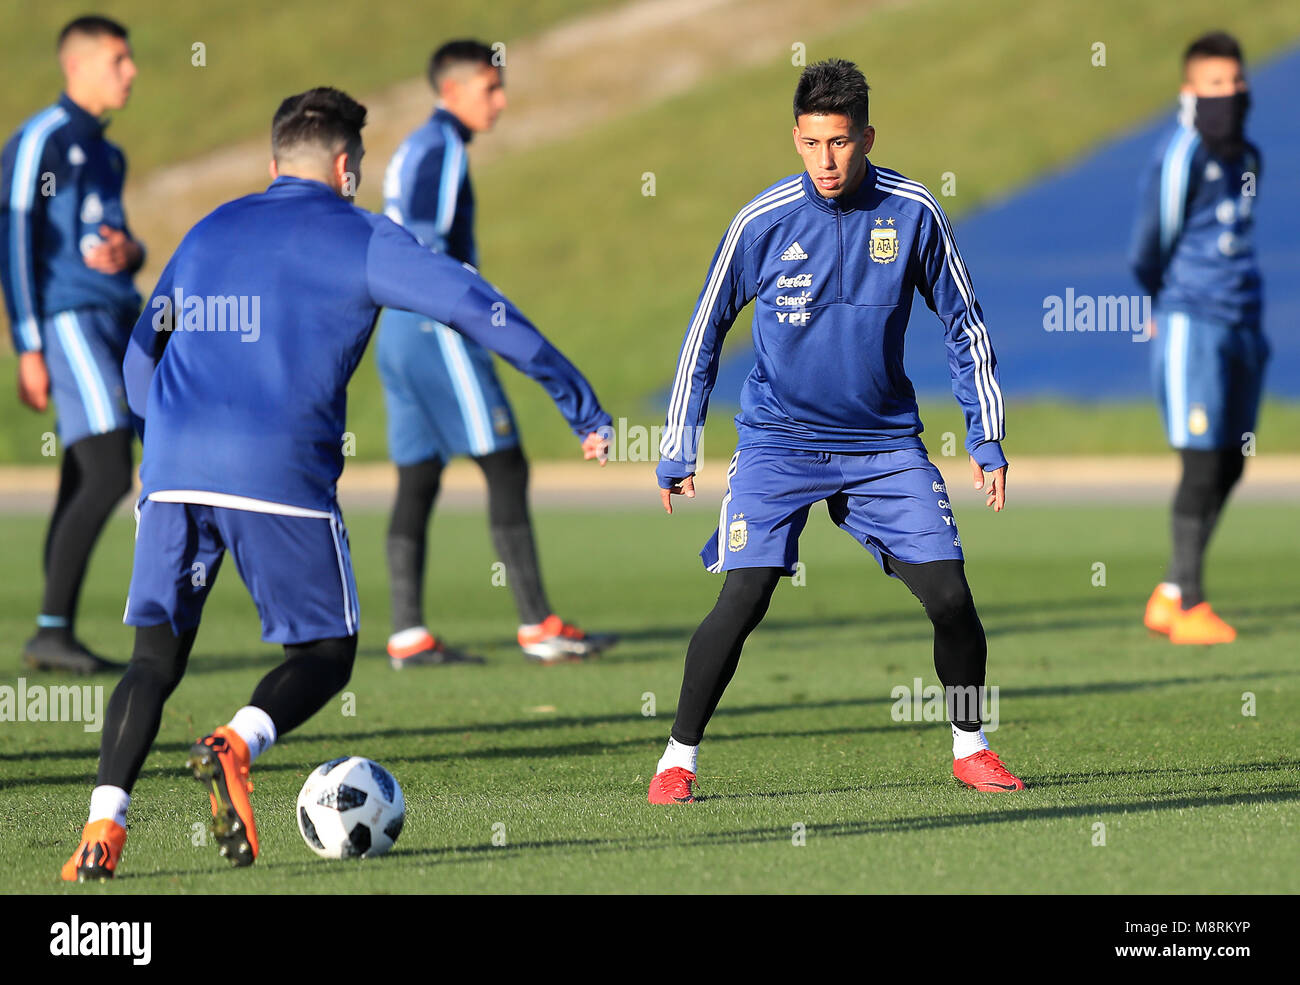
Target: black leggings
x,y
95,475
506,474
291,693
714,651
1208,478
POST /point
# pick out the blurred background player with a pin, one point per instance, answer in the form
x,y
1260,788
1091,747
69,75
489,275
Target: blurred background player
x,y
441,390
827,413
1194,253
258,479
68,265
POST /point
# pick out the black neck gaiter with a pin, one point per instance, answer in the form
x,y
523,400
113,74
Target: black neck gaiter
x,y
1221,122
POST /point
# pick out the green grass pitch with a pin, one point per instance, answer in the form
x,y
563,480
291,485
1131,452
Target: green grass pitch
x,y
1107,725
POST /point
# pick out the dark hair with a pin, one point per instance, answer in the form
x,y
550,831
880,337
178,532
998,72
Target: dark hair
x,y
327,118
91,26
1215,44
463,52
832,86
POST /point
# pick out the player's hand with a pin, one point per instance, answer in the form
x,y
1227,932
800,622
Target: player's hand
x,y
997,494
33,381
596,446
684,488
117,253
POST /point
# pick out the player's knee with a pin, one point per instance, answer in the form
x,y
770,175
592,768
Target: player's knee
x,y
331,660
117,482
506,472
160,656
420,481
948,600
1199,486
104,461
507,469
1231,465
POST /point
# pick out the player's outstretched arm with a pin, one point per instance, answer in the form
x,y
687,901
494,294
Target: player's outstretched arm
x,y
404,274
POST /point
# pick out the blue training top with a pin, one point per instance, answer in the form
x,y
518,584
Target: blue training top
x,y
240,361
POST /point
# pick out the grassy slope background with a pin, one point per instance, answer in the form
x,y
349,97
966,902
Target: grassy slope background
x,y
995,92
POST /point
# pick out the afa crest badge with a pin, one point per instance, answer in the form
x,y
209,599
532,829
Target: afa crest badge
x,y
884,245
737,535
1198,422
501,423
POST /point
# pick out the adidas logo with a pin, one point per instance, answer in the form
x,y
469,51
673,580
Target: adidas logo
x,y
795,252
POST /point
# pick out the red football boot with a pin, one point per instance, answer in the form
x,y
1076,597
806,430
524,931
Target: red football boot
x,y
984,771
672,786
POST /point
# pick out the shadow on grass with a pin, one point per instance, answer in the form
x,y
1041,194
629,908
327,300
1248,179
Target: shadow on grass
x,y
595,746
780,834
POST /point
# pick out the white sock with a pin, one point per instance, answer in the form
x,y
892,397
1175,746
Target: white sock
x,y
967,743
255,727
109,803
678,755
408,637
1169,590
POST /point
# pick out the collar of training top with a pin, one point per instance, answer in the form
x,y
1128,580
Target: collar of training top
x,y
862,197
443,115
289,184
82,123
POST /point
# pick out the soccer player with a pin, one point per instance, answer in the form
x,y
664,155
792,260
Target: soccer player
x,y
831,259
67,268
1194,254
441,391
239,366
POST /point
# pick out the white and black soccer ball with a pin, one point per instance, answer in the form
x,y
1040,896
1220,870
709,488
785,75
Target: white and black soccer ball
x,y
350,807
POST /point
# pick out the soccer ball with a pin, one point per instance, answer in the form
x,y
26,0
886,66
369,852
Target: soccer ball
x,y
350,807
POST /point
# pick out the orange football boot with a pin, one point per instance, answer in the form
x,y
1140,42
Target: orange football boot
x,y
98,854
220,763
985,772
423,650
1161,609
1199,624
554,641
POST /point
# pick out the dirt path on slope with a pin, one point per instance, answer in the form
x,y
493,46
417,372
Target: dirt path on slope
x,y
565,80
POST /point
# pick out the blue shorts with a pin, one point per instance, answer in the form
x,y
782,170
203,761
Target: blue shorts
x,y
84,348
441,390
298,569
894,503
1208,378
